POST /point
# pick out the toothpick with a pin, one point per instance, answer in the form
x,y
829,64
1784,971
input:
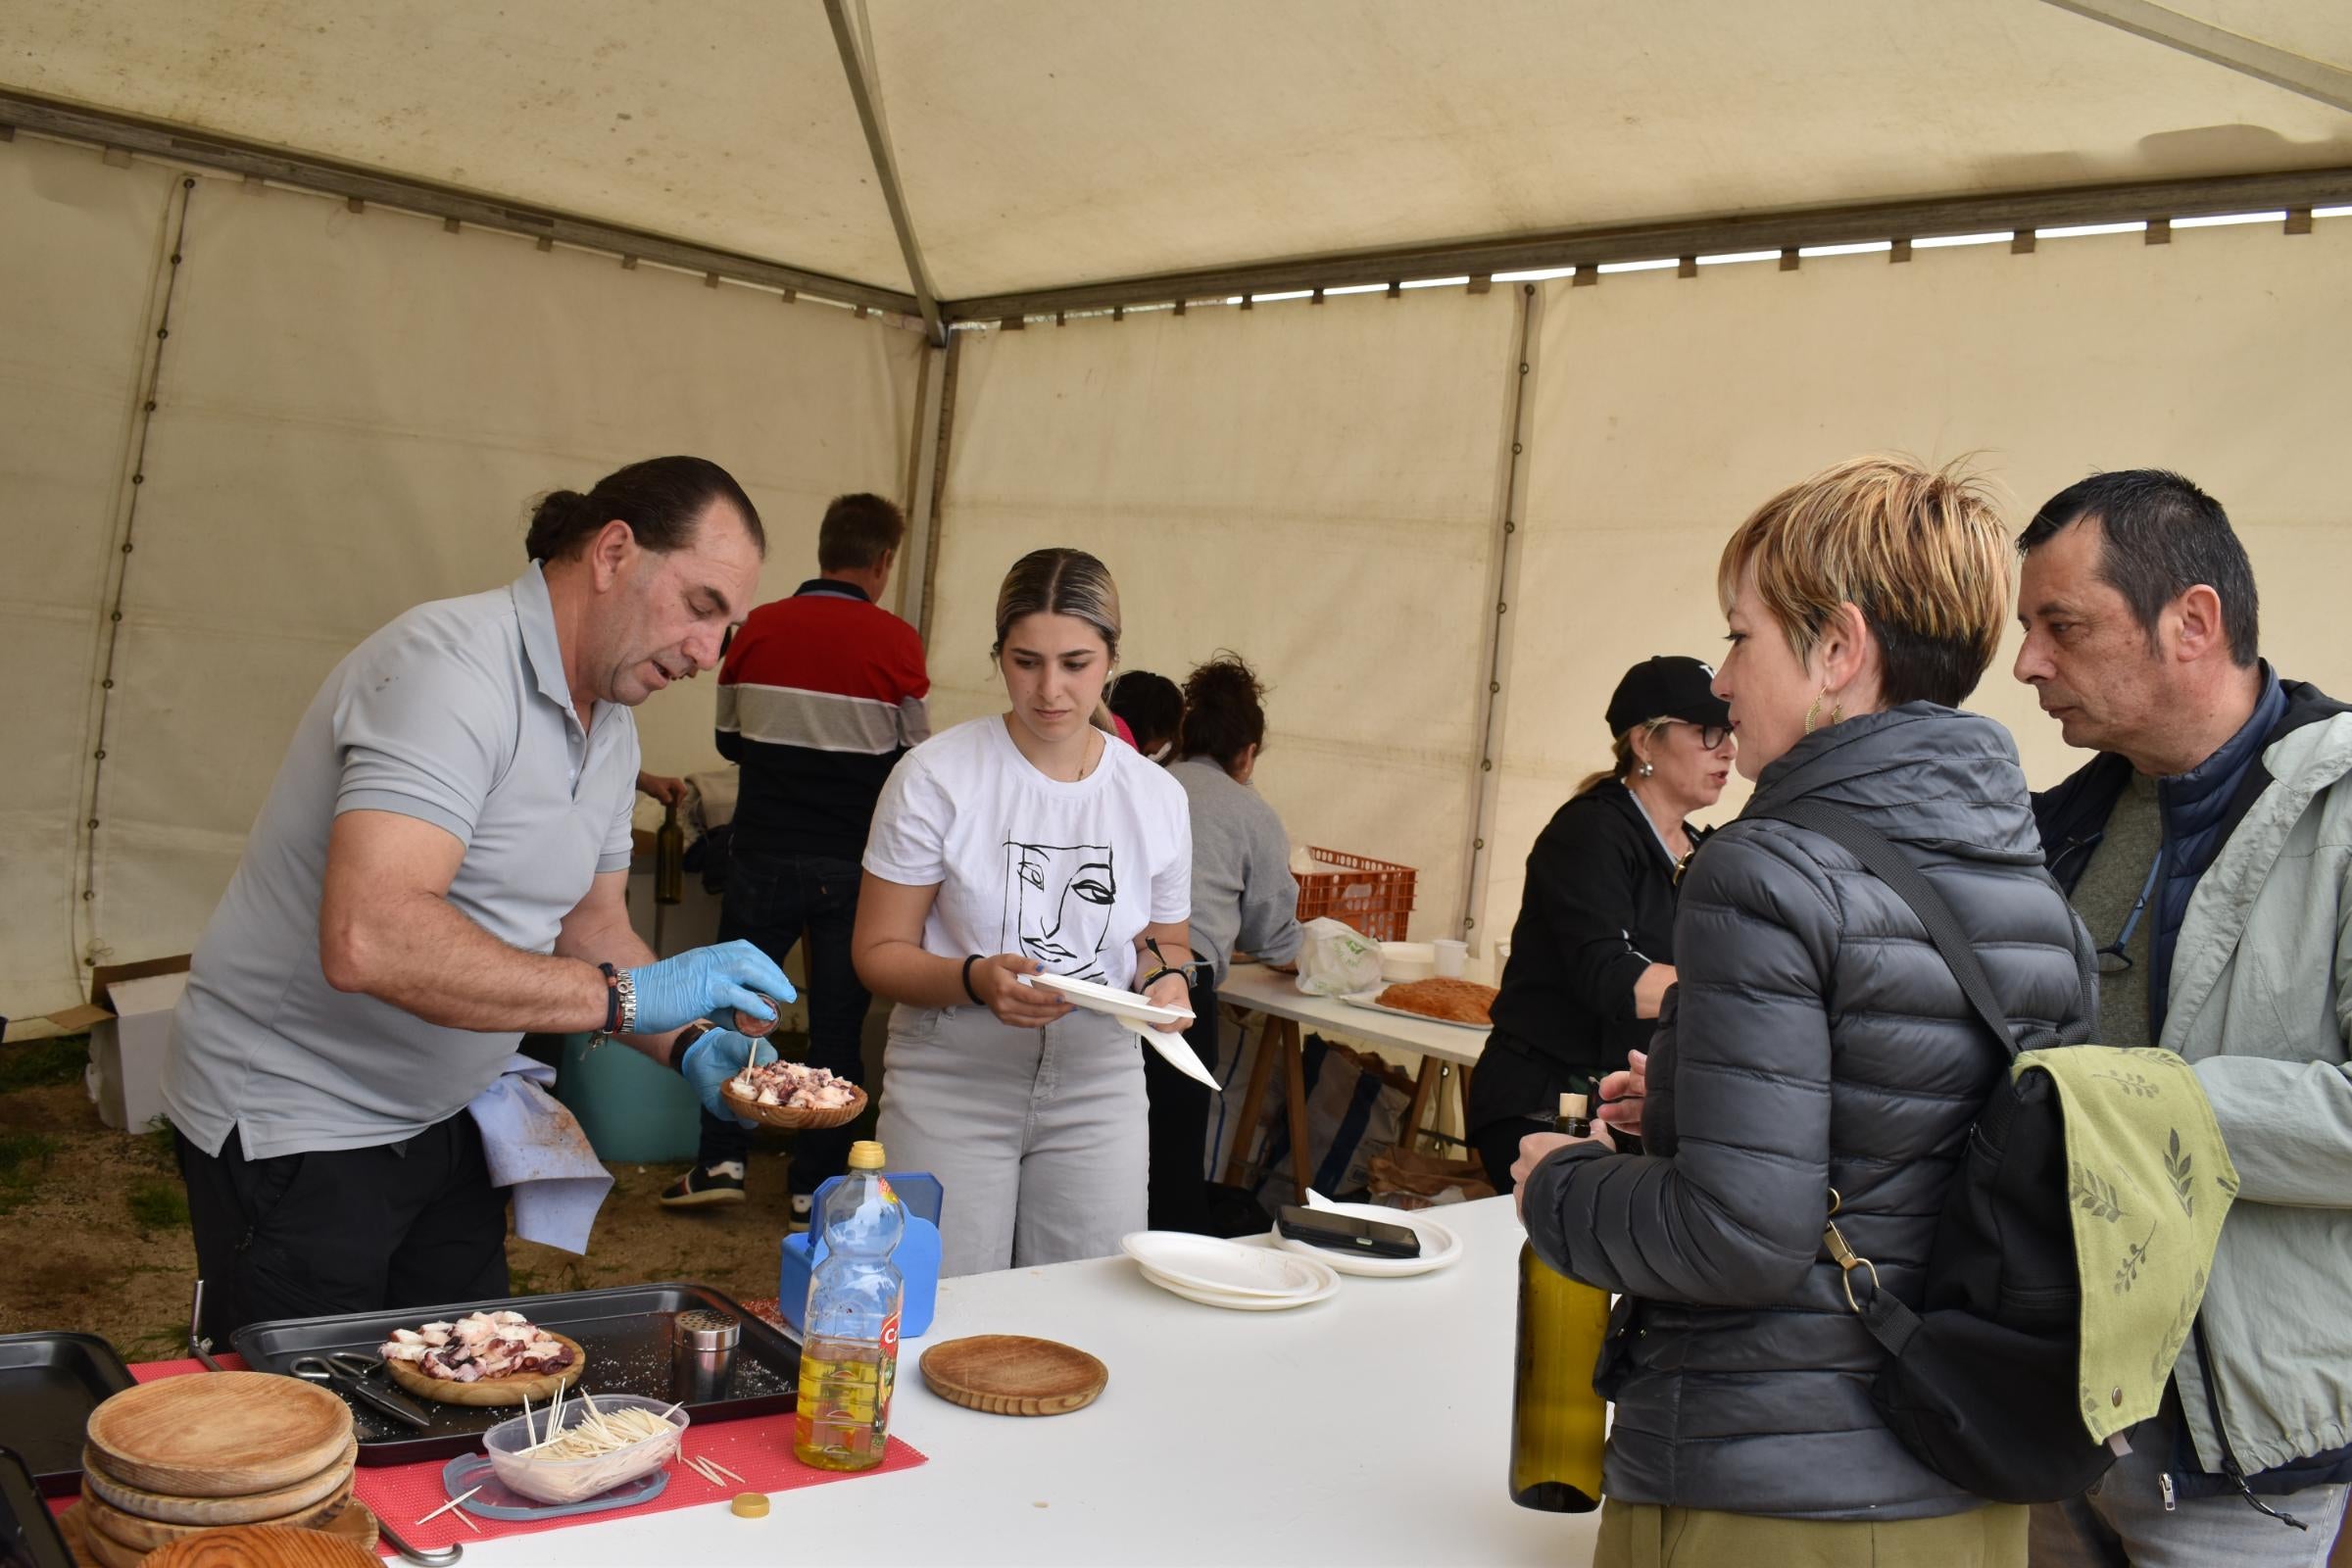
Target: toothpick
x,y
724,1471
702,1467
528,1430
673,1409
467,1520
452,1504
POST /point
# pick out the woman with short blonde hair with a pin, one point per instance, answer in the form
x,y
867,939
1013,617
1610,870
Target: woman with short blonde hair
x,y
1815,1050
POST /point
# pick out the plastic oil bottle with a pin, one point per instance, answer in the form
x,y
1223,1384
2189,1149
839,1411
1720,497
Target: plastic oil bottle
x,y
1559,1423
850,1333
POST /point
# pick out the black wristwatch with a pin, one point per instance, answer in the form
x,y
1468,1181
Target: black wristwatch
x,y
687,1036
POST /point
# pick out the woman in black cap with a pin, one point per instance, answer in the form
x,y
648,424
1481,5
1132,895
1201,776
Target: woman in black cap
x,y
1592,952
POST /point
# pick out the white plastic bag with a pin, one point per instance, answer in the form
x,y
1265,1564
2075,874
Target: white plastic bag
x,y
1337,960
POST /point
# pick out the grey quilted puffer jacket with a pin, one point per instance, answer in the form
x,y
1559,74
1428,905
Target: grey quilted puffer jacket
x,y
1815,1041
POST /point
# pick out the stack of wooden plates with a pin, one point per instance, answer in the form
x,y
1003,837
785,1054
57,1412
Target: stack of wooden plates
x,y
173,1460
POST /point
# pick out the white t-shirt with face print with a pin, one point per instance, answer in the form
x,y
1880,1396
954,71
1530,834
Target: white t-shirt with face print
x,y
1067,874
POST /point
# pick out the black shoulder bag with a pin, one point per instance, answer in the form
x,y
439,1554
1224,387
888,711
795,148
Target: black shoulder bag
x,y
1980,1383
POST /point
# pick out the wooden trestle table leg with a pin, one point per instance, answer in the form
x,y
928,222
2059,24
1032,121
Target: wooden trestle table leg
x,y
1418,1110
1253,1099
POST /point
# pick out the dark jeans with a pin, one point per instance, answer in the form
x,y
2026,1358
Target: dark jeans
x,y
771,901
1179,1125
348,1230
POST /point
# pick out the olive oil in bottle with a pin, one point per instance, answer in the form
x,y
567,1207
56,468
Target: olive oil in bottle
x,y
1557,1420
669,859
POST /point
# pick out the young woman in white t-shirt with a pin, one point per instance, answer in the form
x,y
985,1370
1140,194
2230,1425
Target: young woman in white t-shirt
x,y
1027,841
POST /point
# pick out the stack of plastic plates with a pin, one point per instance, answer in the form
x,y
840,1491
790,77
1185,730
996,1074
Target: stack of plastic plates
x,y
1227,1274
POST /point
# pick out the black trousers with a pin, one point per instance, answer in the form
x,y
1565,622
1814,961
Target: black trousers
x,y
771,901
1517,1092
349,1230
1179,1125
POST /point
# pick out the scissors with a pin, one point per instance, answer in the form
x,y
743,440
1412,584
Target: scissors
x,y
350,1373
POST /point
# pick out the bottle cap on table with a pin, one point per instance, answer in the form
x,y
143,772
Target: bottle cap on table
x,y
865,1155
750,1505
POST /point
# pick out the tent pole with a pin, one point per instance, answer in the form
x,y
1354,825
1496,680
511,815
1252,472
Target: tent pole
x,y
2280,68
1510,502
89,912
2290,190
940,437
859,66
934,387
260,163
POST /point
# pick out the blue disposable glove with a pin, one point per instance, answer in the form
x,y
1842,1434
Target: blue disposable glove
x,y
718,1056
704,984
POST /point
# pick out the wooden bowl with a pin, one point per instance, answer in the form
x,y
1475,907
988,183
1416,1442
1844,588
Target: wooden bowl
x,y
263,1546
492,1390
220,1435
1013,1374
252,1508
793,1117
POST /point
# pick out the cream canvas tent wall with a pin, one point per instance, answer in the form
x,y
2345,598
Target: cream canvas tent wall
x,y
1333,328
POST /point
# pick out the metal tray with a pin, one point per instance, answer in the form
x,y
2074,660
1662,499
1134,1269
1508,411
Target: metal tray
x,y
49,1384
626,1330
29,1537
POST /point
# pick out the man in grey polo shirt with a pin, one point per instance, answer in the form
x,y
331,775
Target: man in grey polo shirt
x,y
439,867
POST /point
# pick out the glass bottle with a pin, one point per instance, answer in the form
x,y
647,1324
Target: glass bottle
x,y
1559,1423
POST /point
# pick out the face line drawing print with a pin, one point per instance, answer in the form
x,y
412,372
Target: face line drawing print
x,y
1058,901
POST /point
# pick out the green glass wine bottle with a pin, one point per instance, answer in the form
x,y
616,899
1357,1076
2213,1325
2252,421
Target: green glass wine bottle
x,y
1559,1423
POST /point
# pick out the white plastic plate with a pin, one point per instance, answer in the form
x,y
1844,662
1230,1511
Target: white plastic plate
x,y
1225,1268
1118,1004
1241,1304
1137,1015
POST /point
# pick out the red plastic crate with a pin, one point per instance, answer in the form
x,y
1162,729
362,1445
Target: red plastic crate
x,y
1376,897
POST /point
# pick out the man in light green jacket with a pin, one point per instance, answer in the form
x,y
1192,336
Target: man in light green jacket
x,y
2209,848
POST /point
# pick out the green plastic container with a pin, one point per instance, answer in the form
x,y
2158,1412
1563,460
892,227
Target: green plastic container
x,y
632,1111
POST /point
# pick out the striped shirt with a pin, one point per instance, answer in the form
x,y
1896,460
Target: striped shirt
x,y
820,695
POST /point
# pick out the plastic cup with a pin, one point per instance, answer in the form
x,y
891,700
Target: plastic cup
x,y
1451,958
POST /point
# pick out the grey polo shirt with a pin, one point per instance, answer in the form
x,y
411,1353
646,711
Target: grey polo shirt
x,y
458,714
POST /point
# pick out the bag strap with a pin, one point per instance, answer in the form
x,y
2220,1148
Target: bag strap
x,y
1894,868
1889,1321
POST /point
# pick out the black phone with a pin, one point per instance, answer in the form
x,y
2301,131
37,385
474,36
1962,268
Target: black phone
x,y
1347,1232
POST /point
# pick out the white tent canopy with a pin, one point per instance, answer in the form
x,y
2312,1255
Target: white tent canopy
x,y
274,365
1044,143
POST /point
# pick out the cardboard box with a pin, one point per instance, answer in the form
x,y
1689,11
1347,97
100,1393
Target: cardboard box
x,y
130,1019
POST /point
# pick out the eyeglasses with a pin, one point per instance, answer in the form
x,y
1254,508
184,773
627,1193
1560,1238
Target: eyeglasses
x,y
1710,736
2113,960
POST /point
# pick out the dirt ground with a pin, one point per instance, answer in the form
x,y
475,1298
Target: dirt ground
x,y
93,1226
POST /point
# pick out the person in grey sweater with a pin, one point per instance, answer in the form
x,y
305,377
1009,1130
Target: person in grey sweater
x,y
1243,898
1815,1053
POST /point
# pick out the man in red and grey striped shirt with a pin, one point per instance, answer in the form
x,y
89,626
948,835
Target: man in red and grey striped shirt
x,y
819,697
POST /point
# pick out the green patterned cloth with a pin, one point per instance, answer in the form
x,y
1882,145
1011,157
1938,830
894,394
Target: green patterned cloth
x,y
2149,1181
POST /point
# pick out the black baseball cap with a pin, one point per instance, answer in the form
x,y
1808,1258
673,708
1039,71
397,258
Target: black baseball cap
x,y
1667,686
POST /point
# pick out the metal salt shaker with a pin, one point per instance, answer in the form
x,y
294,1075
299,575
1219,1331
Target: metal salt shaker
x,y
702,1355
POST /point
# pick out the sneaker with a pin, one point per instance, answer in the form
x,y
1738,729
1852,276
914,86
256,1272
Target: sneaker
x,y
803,1204
721,1183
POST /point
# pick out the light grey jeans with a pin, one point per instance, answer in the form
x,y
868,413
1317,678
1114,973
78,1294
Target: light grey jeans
x,y
2122,1520
1039,1136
